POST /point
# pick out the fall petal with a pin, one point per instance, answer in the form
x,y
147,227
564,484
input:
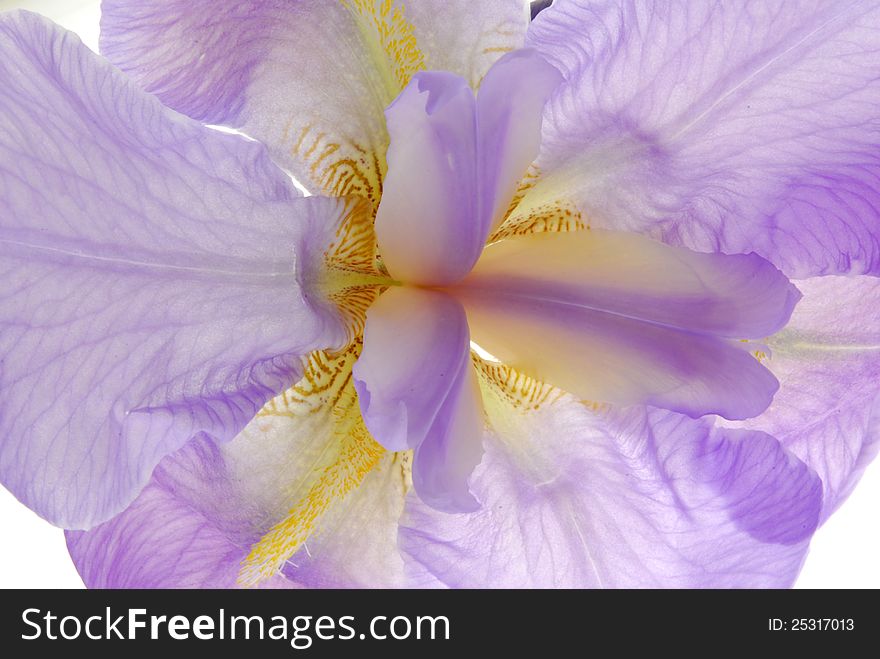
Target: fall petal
x,y
209,510
827,359
309,78
417,390
572,498
732,127
152,285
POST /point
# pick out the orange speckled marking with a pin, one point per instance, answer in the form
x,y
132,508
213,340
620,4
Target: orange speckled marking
x,y
353,279
388,32
512,387
555,216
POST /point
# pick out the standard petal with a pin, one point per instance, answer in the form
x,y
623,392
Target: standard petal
x,y
827,410
575,498
309,78
619,318
417,390
723,126
208,506
148,284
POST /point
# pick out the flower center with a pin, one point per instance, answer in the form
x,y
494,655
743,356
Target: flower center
x,y
605,316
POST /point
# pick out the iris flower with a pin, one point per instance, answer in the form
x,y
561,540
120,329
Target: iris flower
x,y
588,300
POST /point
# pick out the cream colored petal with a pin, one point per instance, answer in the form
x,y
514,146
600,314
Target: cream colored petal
x,y
324,496
301,498
310,78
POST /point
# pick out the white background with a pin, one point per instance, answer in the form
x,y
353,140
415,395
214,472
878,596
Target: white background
x,y
845,552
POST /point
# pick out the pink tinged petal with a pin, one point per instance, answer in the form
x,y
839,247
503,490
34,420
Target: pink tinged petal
x,y
622,319
454,164
827,410
416,388
734,296
603,357
148,278
732,127
575,499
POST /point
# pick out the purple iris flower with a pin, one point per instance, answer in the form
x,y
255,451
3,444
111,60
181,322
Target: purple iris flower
x,y
585,301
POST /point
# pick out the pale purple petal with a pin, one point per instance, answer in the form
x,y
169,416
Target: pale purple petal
x,y
444,461
160,540
722,126
428,225
148,278
510,105
572,498
466,37
619,318
197,56
206,505
416,389
827,410
309,78
454,164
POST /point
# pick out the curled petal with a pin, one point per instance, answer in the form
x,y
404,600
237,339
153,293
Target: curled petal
x,y
454,164
428,224
444,461
149,284
510,106
723,126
